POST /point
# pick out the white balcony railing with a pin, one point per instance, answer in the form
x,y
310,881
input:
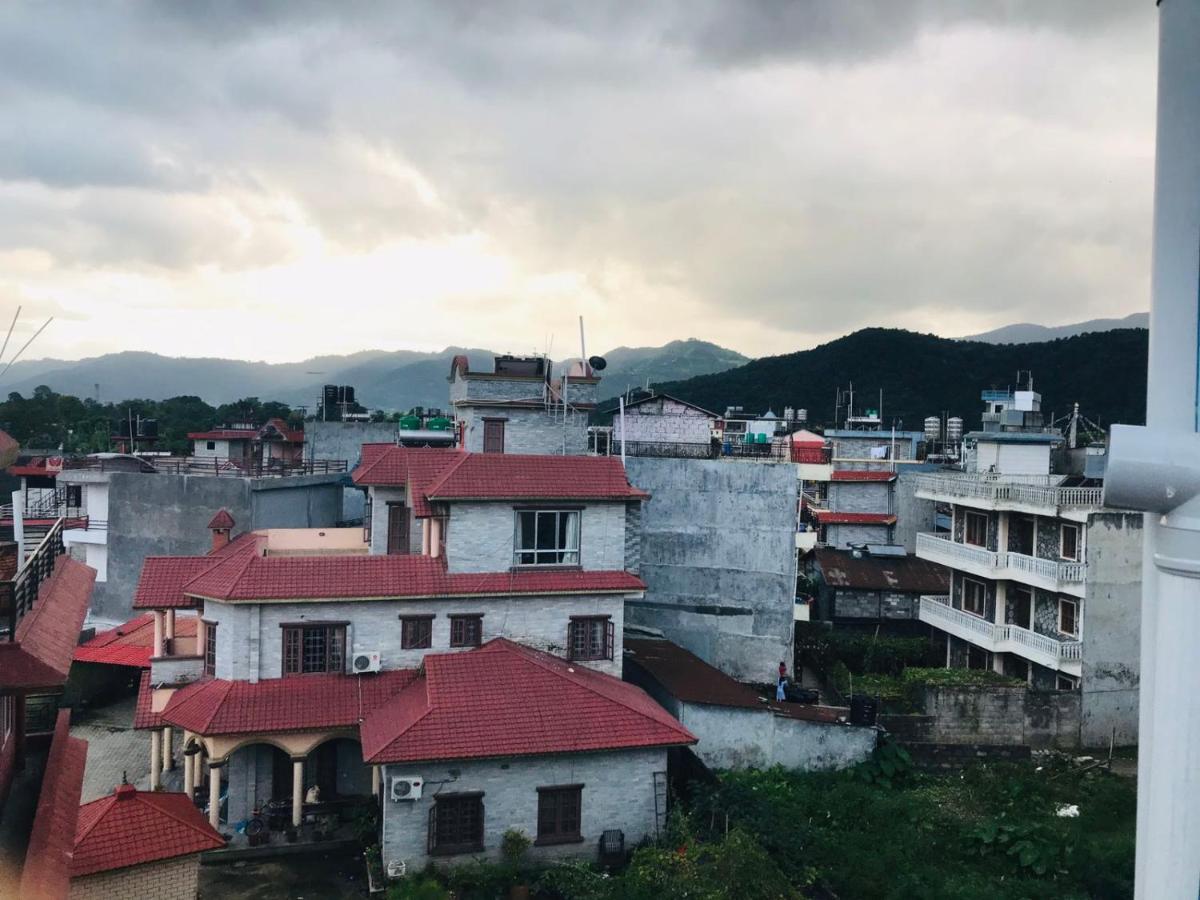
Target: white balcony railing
x,y
1039,648
1015,491
1051,574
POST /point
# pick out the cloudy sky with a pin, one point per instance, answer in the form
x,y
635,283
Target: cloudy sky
x,y
300,178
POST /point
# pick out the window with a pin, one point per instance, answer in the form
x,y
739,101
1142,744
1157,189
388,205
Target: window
x,y
590,637
1069,543
493,435
1068,616
466,631
559,814
976,529
210,445
314,648
974,597
416,632
456,824
397,529
547,538
75,495
1063,683
210,648
367,512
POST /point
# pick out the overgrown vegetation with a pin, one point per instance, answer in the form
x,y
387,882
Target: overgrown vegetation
x,y
881,830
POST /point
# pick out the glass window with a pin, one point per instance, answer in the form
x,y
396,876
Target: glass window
x,y
210,648
308,649
559,814
456,824
976,529
416,632
974,597
590,638
547,538
466,631
1070,543
1068,616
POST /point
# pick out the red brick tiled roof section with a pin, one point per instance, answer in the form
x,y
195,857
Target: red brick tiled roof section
x,y
143,716
222,519
130,827
830,517
388,465
50,632
505,476
130,644
214,706
842,569
342,577
224,434
163,577
47,871
862,475
507,700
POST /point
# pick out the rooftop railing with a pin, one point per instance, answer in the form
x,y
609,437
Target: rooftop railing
x,y
1022,490
19,596
211,466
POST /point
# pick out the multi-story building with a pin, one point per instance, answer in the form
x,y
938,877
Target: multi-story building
x,y
252,449
860,508
1045,581
469,637
659,424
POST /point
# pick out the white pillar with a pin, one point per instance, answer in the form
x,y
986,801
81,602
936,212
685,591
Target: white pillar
x,y
158,633
170,629
214,795
168,749
435,537
189,777
425,542
376,780
297,791
155,759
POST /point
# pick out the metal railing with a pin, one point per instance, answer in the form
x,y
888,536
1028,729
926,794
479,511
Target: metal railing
x,y
1024,490
769,452
19,596
937,610
210,465
938,548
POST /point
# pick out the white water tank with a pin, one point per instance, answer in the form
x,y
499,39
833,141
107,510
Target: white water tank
x,y
933,428
954,428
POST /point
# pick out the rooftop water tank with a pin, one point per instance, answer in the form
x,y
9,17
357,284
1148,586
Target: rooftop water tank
x,y
933,428
954,428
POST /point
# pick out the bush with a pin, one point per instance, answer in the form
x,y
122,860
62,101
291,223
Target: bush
x,y
821,648
421,887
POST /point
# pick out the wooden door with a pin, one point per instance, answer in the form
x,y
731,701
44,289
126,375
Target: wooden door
x,y
397,529
1022,604
493,436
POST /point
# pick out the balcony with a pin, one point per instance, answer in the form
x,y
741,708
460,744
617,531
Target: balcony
x,y
806,540
1062,656
175,670
1048,574
1041,495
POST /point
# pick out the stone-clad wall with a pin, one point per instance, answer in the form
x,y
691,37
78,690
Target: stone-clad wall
x,y
170,879
842,537
1003,715
532,431
861,497
618,792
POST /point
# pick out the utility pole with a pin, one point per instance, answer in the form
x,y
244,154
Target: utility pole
x,y
1157,469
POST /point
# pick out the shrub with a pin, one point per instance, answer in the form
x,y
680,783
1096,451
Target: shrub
x,y
514,845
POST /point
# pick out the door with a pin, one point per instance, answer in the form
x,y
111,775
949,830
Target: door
x,y
1022,606
493,435
1021,541
397,529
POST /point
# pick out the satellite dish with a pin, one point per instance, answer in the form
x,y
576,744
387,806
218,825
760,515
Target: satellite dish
x,y
597,362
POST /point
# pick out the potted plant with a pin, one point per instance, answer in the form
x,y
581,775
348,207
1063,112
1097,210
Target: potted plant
x,y
513,847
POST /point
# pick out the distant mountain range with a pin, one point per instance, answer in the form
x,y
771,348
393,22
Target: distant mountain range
x,y
1028,333
382,379
923,375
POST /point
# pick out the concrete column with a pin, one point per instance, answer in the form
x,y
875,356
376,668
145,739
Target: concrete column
x,y
158,633
155,759
189,777
297,791
425,543
170,629
168,749
214,794
376,780
435,537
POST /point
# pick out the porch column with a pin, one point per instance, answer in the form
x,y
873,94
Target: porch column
x,y
189,779
425,543
170,625
435,537
214,794
168,749
376,780
155,759
158,633
297,790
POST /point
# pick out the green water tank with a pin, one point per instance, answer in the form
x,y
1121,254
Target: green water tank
x,y
410,423
439,423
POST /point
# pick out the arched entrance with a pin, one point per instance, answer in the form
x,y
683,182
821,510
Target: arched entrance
x,y
337,769
256,774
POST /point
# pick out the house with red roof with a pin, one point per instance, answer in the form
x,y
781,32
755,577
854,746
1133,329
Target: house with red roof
x,y
860,508
250,447
302,633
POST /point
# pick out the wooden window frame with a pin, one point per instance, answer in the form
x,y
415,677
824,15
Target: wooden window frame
x,y
368,511
413,622
404,547
209,650
982,597
551,810
968,515
458,621
573,547
1074,604
466,843
605,651
494,422
292,657
1062,541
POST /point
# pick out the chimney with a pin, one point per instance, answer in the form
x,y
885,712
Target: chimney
x,y
220,525
8,560
126,792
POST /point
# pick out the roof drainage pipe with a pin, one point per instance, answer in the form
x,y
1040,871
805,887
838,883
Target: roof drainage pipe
x,y
1157,469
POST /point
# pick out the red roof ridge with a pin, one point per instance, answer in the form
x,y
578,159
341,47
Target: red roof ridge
x,y
450,470
218,686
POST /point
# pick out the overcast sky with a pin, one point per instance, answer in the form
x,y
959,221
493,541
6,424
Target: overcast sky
x,y
208,179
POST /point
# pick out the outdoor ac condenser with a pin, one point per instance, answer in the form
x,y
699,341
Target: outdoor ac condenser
x,y
406,787
365,662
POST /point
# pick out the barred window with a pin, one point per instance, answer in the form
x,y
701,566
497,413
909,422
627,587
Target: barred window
x,y
559,816
308,649
456,824
590,637
466,631
416,632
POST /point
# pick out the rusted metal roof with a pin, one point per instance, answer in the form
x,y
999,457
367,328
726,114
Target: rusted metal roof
x,y
842,569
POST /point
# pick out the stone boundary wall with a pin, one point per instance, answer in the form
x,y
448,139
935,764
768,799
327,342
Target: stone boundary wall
x,y
993,716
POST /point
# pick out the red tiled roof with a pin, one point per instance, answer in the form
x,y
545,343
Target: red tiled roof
x,y
46,638
389,465
302,703
224,434
862,475
830,517
253,577
143,716
505,476
130,644
130,827
163,577
507,700
221,519
47,871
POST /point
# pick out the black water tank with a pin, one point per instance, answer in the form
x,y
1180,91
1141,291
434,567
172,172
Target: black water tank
x,y
862,709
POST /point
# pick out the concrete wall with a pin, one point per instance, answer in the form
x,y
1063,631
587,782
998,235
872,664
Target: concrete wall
x,y
381,497
735,738
618,792
344,440
842,537
1111,625
533,431
664,420
250,639
480,536
718,556
1003,715
913,515
861,497
156,515
168,879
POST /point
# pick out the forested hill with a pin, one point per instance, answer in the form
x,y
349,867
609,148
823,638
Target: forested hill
x,y
922,375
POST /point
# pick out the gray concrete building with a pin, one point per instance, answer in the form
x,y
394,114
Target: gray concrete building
x,y
718,556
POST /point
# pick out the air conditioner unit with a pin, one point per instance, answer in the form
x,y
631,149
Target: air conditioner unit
x,y
397,868
406,787
365,662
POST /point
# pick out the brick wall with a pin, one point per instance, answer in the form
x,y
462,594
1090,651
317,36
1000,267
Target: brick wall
x,y
843,536
861,496
535,431
1003,716
618,792
172,879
